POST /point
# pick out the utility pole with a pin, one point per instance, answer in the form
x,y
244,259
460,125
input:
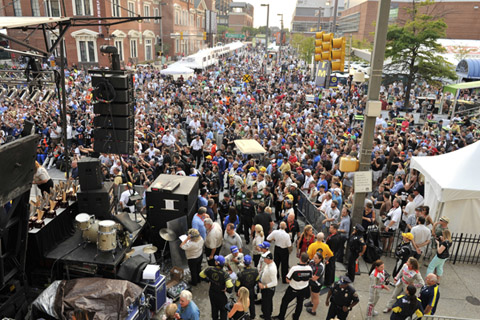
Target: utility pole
x,y
373,104
281,37
268,28
335,12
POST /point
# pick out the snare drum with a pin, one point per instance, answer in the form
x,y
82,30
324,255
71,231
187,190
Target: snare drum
x,y
91,234
107,241
83,220
106,226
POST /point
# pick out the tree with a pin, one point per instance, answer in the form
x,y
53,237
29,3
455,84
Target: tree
x,y
304,45
462,52
413,48
222,29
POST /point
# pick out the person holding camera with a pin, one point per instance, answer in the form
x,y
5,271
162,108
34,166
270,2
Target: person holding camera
x,y
444,242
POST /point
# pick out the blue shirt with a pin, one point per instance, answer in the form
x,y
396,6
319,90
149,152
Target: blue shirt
x,y
190,312
396,187
324,182
197,223
202,202
430,296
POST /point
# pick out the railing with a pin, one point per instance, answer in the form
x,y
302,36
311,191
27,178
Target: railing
x,y
465,248
310,212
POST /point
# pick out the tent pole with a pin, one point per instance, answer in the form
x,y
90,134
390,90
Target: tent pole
x,y
438,214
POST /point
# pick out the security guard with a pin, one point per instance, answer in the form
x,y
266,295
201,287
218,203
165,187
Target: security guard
x,y
298,277
242,194
224,207
220,283
342,297
357,248
248,278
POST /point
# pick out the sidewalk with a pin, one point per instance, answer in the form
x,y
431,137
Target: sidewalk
x,y
459,282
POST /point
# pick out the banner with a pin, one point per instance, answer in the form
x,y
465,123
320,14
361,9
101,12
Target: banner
x,y
322,78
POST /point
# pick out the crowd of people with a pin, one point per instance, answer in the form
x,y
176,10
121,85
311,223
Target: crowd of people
x,y
188,127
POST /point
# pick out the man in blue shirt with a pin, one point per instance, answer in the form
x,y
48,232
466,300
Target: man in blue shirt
x,y
430,294
397,186
197,221
187,310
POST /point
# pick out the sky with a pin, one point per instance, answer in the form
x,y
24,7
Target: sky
x,y
286,7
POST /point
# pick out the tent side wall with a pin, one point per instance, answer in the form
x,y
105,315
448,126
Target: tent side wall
x,y
463,214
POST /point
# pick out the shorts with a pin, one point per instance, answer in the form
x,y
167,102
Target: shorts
x,y
315,287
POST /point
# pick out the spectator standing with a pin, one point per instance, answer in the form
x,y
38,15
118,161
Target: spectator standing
x,y
187,309
430,295
378,279
193,246
267,284
213,241
282,242
444,242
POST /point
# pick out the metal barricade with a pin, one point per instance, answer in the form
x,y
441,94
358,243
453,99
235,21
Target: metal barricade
x,y
435,317
311,214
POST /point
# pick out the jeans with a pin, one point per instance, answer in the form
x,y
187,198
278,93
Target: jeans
x,y
436,264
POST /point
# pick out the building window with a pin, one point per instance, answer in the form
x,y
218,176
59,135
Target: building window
x,y
131,9
146,12
35,8
82,7
192,23
17,8
148,49
133,48
176,17
177,46
87,51
116,8
156,13
52,8
119,46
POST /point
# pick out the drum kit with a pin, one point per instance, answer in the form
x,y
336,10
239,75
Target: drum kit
x,y
103,233
167,235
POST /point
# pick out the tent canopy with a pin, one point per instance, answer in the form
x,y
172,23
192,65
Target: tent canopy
x,y
18,22
455,175
249,146
177,69
459,86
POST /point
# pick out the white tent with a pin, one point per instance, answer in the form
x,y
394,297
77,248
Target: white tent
x,y
452,187
177,70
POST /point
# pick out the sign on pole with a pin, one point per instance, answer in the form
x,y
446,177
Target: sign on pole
x,y
235,35
362,181
322,78
247,78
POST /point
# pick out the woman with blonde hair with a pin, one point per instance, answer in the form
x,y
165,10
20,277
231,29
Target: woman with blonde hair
x,y
259,238
241,306
193,246
306,239
42,179
170,311
444,242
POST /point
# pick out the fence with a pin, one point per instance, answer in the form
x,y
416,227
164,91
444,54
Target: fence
x,y
435,317
465,247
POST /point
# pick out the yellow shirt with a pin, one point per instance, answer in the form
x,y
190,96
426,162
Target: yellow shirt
x,y
313,248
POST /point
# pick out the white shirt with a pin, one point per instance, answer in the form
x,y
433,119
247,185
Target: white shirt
x,y
196,144
395,215
332,213
125,196
232,265
268,276
193,249
281,238
409,209
418,200
421,234
306,184
168,140
214,237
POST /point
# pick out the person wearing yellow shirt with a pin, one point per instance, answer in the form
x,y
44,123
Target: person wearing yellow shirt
x,y
320,245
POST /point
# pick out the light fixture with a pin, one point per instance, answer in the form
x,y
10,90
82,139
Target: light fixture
x,y
11,94
34,95
2,92
23,94
48,96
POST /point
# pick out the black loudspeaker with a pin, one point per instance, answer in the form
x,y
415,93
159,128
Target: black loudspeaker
x,y
27,128
116,147
97,202
90,174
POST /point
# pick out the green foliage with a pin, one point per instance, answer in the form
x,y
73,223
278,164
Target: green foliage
x,y
462,52
221,29
361,44
305,46
414,50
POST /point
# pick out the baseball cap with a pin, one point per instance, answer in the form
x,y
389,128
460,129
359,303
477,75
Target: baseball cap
x,y
220,260
247,259
408,235
209,157
251,169
267,255
344,280
264,245
299,168
239,170
233,249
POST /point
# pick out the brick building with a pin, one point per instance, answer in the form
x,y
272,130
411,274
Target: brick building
x,y
240,15
460,16
305,16
222,7
137,42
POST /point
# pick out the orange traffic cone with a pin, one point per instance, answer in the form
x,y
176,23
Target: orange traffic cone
x,y
357,267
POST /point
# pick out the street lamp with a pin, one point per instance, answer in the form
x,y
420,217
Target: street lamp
x,y
281,36
268,30
319,12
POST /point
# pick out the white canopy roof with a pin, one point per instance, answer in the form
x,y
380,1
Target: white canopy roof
x,y
177,69
453,176
249,146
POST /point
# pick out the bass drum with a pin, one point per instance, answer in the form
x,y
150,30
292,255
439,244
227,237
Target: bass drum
x,y
91,234
107,241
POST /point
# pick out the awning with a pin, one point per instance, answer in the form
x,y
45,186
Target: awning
x,y
249,146
18,22
459,86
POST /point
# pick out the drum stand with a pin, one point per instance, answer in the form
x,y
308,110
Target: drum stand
x,y
100,252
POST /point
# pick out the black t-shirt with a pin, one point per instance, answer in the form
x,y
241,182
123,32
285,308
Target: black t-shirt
x,y
264,220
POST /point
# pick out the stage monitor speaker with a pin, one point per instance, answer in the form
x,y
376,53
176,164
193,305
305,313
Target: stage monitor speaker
x,y
97,202
27,128
108,122
116,147
18,167
90,174
113,135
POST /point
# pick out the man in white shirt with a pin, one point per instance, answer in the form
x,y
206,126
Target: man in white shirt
x,y
197,145
168,139
308,179
234,262
125,198
213,241
391,224
326,204
267,284
421,236
282,242
331,215
418,198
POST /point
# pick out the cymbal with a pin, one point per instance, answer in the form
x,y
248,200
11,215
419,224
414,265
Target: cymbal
x,y
167,234
149,250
